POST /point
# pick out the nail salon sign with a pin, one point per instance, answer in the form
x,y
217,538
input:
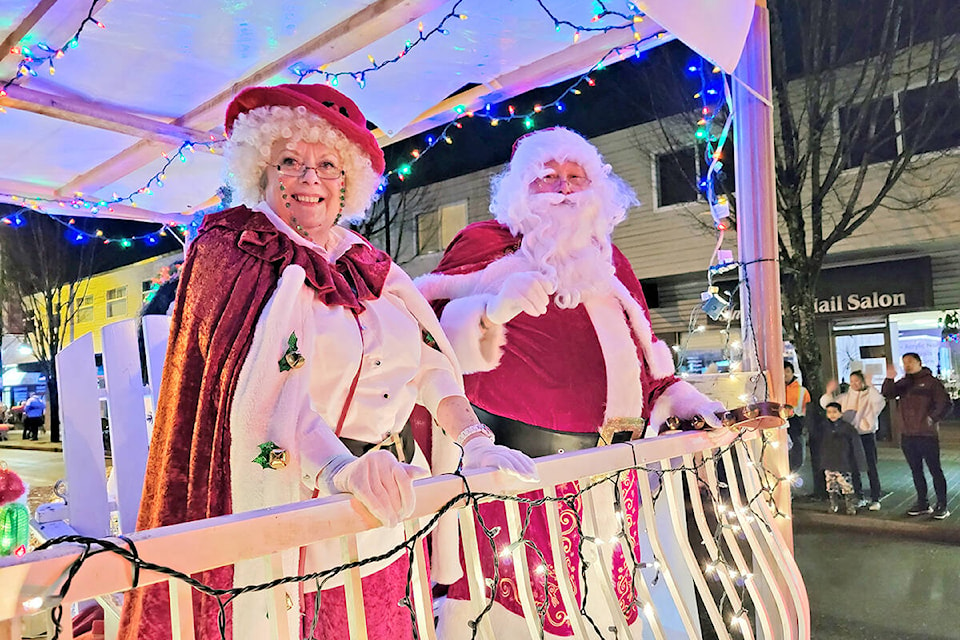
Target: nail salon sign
x,y
877,288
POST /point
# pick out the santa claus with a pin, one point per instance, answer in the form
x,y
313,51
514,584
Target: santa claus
x,y
550,325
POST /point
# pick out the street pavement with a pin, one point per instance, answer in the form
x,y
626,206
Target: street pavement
x,y
864,587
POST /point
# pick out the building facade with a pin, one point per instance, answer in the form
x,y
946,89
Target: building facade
x,y
884,291
108,297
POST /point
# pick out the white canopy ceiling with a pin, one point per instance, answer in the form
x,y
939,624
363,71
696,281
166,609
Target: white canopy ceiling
x,y
161,73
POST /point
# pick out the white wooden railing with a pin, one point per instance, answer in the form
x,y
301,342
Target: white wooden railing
x,y
752,543
758,565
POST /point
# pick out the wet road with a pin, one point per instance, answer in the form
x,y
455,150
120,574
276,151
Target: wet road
x,y
864,587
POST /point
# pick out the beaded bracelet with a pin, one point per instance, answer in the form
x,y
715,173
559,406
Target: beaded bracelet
x,y
473,429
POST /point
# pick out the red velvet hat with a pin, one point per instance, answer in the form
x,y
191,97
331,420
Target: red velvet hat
x,y
328,103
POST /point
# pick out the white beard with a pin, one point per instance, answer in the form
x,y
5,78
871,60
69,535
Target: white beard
x,y
567,237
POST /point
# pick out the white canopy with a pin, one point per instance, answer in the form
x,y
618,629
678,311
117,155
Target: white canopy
x,y
161,73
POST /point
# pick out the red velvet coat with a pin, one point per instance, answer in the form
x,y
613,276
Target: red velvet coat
x,y
552,370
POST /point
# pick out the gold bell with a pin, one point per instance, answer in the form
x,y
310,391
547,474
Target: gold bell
x,y
786,412
673,423
751,412
697,422
278,458
294,359
729,419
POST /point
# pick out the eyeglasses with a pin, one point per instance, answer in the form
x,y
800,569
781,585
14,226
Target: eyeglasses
x,y
553,181
293,168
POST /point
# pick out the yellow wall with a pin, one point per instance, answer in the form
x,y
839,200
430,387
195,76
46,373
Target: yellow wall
x,y
132,277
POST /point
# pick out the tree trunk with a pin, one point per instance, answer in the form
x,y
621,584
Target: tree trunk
x,y
801,328
53,405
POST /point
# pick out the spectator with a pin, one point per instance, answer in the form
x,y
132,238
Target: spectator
x,y
840,450
923,402
33,410
861,405
797,398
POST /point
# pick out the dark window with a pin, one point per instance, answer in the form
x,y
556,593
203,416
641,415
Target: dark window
x,y
677,177
868,132
651,293
680,174
931,117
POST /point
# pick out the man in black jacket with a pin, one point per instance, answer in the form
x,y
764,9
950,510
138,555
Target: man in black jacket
x,y
923,402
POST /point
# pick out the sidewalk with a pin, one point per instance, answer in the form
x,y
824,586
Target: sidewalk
x,y
15,441
898,495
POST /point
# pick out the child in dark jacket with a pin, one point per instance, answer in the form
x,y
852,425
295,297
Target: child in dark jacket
x,y
841,454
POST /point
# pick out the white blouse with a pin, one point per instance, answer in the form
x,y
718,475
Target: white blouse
x,y
396,368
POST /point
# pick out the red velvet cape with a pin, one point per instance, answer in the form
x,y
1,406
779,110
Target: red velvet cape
x,y
230,272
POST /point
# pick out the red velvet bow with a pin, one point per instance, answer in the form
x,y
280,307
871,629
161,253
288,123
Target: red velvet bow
x,y
357,275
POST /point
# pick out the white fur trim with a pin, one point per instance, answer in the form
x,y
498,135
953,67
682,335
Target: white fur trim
x,y
476,348
660,361
259,386
624,392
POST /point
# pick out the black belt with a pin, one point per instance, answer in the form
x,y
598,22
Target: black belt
x,y
359,447
533,440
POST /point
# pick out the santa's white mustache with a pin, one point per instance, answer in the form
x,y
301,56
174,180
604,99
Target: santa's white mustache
x,y
555,198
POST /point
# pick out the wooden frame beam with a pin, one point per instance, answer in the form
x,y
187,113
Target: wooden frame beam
x,y
24,27
87,113
550,69
349,36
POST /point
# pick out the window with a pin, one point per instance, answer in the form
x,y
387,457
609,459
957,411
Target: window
x,y
85,310
679,172
146,289
116,302
676,177
868,132
931,117
436,229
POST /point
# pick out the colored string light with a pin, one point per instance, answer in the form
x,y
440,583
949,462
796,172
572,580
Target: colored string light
x,y
360,75
76,235
32,59
94,207
528,118
752,511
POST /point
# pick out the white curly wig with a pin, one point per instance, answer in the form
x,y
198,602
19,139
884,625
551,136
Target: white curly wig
x,y
251,145
508,202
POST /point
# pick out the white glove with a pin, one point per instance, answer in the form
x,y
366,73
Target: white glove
x,y
480,452
382,484
682,399
525,292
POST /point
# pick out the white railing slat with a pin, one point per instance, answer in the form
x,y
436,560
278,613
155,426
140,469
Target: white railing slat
x,y
277,604
783,556
420,590
521,570
156,330
474,570
353,588
673,489
766,574
181,610
687,617
760,605
83,454
128,424
602,567
713,550
564,583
